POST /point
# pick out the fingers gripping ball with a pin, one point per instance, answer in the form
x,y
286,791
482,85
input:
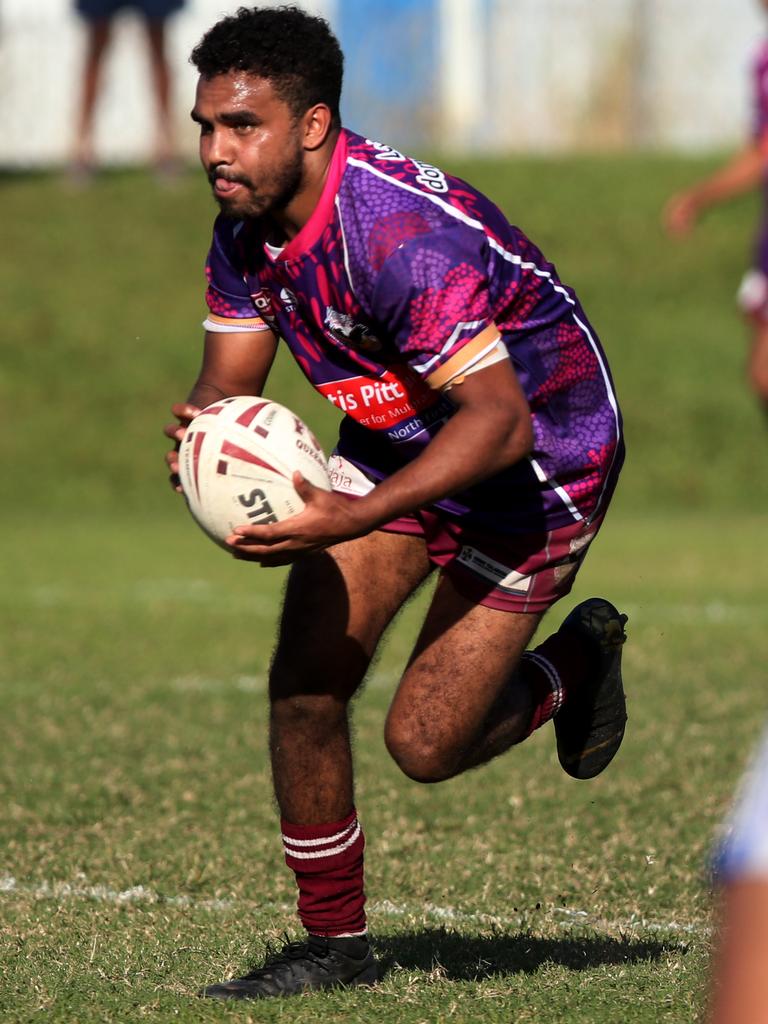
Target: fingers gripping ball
x,y
237,460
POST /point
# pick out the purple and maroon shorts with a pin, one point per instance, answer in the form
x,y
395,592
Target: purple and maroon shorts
x,y
520,572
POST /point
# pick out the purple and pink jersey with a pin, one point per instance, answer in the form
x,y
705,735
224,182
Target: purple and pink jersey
x,y
401,275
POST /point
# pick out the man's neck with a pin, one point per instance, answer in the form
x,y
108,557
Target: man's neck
x,y
287,223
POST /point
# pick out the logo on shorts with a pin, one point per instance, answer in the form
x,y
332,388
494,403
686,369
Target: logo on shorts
x,y
507,579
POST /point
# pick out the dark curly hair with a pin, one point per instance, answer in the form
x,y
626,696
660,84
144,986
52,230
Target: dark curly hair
x,y
297,52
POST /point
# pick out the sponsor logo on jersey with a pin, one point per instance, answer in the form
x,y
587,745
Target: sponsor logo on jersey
x,y
345,328
427,175
385,402
385,152
288,300
430,177
262,300
347,478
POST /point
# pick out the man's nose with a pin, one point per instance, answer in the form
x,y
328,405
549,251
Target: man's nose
x,y
219,150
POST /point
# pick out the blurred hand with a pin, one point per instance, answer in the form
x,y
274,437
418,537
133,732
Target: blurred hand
x,y
184,413
680,215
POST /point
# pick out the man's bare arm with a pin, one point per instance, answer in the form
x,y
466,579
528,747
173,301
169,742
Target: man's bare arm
x,y
743,172
490,431
233,364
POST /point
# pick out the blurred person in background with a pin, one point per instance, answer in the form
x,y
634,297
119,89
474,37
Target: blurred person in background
x,y
99,18
745,171
740,960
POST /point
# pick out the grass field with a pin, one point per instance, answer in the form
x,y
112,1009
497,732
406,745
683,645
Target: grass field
x,y
141,857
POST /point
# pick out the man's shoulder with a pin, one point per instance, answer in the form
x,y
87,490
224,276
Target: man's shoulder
x,y
392,165
389,201
381,175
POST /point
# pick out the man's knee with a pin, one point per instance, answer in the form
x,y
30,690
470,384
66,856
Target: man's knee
x,y
420,753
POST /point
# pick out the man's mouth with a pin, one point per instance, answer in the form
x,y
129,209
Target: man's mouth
x,y
226,187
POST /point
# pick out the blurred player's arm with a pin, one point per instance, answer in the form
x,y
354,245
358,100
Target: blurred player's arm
x,y
234,363
743,173
739,971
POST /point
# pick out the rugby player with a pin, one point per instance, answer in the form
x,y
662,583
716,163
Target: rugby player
x,y
481,441
745,171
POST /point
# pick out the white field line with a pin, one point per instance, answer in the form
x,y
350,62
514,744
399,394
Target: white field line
x,y
561,917
79,890
718,612
695,613
206,684
258,684
147,592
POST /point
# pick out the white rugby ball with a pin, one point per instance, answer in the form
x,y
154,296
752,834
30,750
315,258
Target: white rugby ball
x,y
237,460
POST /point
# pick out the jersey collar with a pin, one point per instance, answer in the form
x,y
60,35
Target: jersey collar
x,y
323,212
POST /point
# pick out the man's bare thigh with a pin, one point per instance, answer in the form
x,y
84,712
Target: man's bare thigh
x,y
337,605
465,656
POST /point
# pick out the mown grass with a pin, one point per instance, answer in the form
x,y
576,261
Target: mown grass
x,y
140,850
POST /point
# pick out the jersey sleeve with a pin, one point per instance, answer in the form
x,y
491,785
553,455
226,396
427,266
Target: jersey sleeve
x,y
433,301
230,305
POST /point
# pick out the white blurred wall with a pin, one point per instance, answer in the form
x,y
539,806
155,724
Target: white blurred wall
x,y
614,73
546,75
41,50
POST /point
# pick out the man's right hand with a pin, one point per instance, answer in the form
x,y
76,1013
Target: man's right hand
x,y
184,413
680,214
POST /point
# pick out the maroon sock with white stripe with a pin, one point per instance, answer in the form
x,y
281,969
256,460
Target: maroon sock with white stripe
x,y
328,863
553,670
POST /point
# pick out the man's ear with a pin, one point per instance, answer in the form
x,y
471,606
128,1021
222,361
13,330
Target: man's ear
x,y
317,122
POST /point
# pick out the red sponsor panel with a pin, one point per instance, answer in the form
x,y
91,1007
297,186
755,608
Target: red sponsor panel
x,y
380,402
